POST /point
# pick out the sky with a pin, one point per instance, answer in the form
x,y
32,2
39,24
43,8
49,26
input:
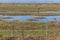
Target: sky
x,y
29,1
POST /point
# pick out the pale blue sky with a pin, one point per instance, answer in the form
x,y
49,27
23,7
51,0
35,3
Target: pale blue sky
x,y
29,1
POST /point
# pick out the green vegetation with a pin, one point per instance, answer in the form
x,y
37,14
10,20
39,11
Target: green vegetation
x,y
29,13
29,28
16,33
28,9
10,30
8,33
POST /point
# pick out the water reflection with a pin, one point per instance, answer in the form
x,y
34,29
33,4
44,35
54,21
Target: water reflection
x,y
33,18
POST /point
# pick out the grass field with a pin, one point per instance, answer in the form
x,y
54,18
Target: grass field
x,y
26,9
9,33
16,33
31,7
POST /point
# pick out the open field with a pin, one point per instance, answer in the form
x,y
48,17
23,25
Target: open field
x,y
28,9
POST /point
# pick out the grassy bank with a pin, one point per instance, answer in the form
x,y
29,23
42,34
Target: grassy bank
x,y
27,25
14,29
18,25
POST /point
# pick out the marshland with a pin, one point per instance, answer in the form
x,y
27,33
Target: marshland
x,y
30,9
29,21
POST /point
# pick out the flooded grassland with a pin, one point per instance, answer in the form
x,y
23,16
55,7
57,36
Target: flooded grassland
x,y
29,22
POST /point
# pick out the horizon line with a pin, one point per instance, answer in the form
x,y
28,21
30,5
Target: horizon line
x,y
29,3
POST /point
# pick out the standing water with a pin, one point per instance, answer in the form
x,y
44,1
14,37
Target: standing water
x,y
25,18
